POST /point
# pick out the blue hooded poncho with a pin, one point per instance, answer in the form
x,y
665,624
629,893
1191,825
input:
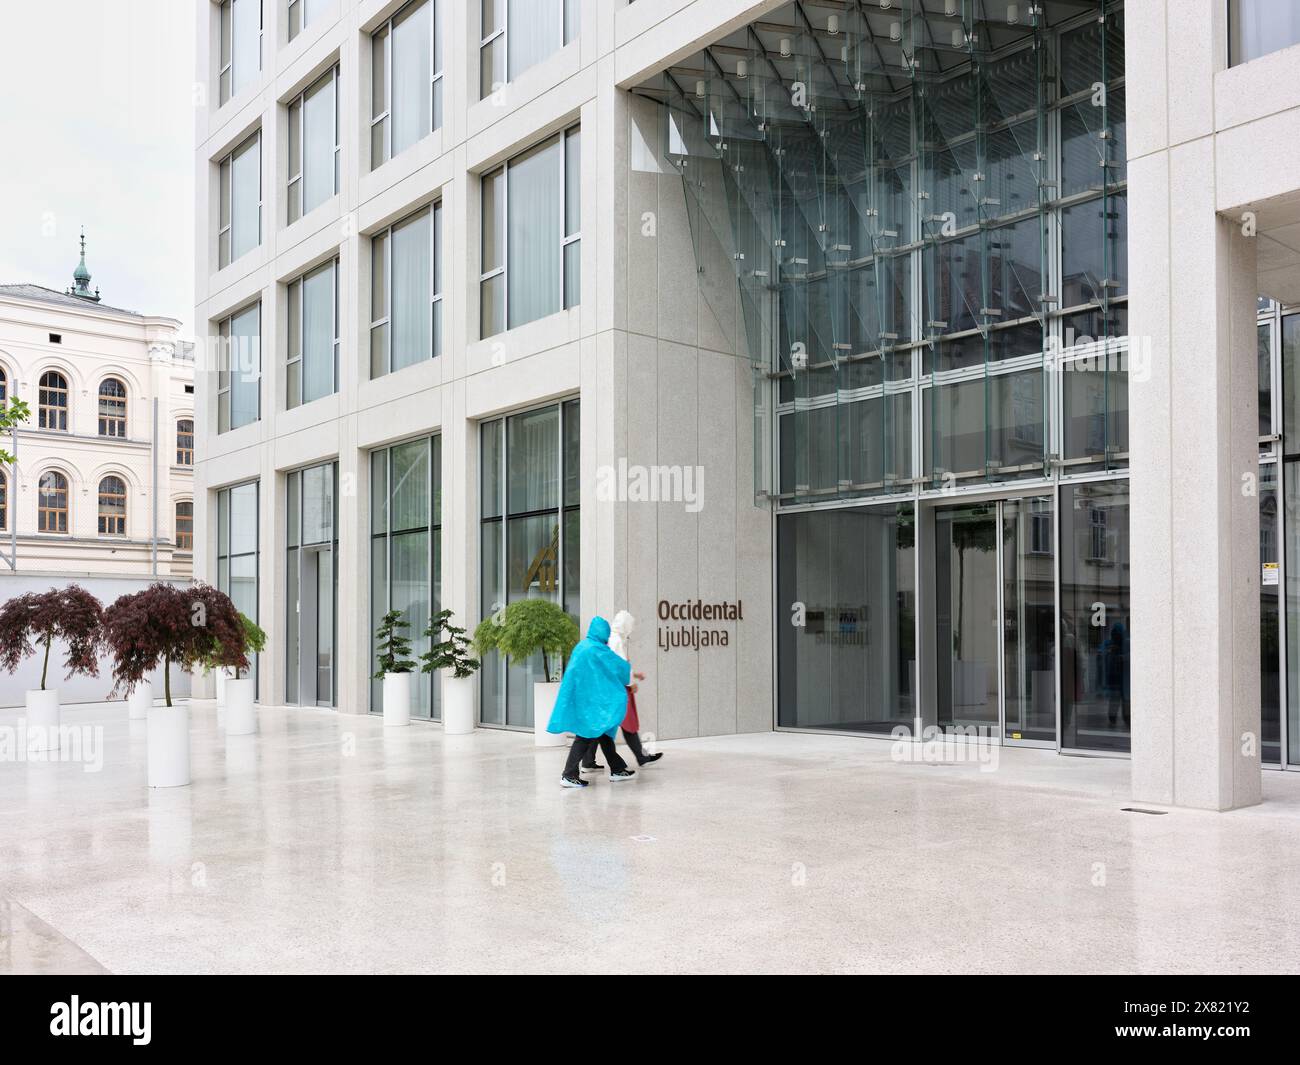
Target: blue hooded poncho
x,y
593,691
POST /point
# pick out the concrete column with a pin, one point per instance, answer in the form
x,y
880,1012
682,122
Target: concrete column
x,y
1195,511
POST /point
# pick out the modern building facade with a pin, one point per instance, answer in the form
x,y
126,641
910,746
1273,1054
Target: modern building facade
x,y
103,484
802,330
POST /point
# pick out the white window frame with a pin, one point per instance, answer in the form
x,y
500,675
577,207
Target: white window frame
x,y
384,32
570,16
562,140
226,40
297,119
385,320
226,196
291,358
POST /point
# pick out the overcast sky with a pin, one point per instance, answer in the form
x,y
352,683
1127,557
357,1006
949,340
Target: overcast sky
x,y
97,129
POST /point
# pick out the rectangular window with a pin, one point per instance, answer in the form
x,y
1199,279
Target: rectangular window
x,y
185,526
302,12
529,527
531,235
237,548
314,146
517,34
406,292
406,80
239,372
240,178
406,553
241,46
1258,27
312,364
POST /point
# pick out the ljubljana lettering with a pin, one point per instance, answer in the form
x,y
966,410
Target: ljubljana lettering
x,y
693,637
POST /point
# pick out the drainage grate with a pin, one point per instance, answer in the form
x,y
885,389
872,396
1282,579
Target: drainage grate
x,y
1139,810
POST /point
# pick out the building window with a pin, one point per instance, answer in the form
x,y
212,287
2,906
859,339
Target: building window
x,y
112,408
302,12
239,374
314,146
237,548
185,442
185,526
312,368
4,500
529,529
1098,535
406,292
518,34
312,579
1258,27
241,46
112,507
4,387
406,552
240,177
52,401
52,503
531,240
406,80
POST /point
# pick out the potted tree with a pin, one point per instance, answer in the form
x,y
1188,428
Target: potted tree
x,y
164,626
395,669
523,629
30,624
449,651
240,689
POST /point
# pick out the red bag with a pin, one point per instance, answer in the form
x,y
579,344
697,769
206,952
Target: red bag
x,y
631,723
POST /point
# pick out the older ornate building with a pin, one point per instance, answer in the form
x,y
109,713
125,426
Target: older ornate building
x,y
102,483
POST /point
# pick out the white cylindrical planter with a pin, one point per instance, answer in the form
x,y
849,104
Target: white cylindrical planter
x,y
397,699
458,704
240,718
544,696
224,673
43,719
139,701
169,746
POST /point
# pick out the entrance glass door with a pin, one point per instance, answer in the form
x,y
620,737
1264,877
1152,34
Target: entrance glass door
x,y
312,585
995,598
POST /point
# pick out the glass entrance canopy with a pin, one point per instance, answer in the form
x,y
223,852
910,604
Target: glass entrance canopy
x,y
923,204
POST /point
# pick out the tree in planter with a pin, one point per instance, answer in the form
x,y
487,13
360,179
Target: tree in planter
x,y
164,626
525,627
35,620
449,653
394,648
254,644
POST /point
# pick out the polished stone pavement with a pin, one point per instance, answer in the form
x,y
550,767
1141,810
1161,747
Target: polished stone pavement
x,y
327,843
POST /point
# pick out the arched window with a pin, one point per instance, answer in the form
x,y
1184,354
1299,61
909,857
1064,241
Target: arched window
x,y
112,407
185,526
4,499
52,503
52,401
112,507
4,386
185,442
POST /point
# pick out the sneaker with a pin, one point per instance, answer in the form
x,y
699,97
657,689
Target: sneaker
x,y
572,782
651,758
623,774
594,768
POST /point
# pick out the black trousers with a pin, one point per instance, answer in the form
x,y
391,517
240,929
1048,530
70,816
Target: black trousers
x,y
633,743
585,749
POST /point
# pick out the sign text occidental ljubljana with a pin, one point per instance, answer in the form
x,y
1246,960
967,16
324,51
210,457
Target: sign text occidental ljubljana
x,y
693,624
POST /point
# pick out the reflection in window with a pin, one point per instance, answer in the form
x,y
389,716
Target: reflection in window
x,y
528,536
406,554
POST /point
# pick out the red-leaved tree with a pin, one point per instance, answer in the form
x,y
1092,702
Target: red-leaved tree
x,y
165,625
33,622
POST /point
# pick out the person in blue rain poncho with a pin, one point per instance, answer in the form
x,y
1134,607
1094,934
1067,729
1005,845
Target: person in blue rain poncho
x,y
592,703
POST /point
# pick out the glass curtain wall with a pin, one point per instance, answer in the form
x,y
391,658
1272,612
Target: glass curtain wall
x,y
237,549
311,575
529,548
924,206
406,555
